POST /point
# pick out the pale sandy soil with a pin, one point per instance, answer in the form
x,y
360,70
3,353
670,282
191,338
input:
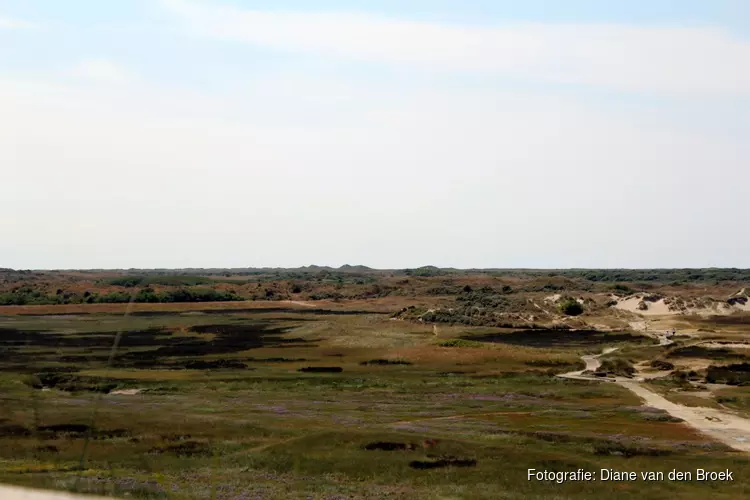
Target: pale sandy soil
x,y
15,493
660,308
723,426
645,372
720,345
592,363
126,392
300,303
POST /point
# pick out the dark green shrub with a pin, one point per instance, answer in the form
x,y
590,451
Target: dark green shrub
x,y
618,366
571,307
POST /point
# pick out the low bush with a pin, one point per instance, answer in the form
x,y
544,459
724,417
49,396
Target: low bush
x,y
618,366
570,307
737,374
660,364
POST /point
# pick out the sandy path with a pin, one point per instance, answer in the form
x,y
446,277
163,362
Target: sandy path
x,y
300,303
16,493
723,426
126,392
592,364
723,345
730,429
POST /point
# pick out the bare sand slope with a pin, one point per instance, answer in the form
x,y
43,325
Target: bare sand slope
x,y
661,308
16,493
658,308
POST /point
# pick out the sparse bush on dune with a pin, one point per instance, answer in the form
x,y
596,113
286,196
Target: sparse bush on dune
x,y
618,366
660,364
570,307
654,297
622,290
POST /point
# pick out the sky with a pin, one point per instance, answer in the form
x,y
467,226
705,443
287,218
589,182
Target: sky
x,y
389,133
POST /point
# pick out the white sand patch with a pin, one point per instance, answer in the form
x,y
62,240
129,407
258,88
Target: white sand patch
x,y
126,392
632,304
661,308
301,303
553,298
721,345
15,493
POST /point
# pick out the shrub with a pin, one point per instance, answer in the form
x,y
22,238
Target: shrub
x,y
737,374
622,289
660,364
571,307
618,366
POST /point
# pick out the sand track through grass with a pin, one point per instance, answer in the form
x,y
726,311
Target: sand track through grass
x,y
723,426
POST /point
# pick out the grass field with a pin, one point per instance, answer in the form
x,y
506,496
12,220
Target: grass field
x,y
208,401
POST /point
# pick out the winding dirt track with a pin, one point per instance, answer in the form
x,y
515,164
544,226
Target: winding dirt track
x,y
722,426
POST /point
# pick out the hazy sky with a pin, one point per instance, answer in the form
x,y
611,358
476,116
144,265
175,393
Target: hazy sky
x,y
391,133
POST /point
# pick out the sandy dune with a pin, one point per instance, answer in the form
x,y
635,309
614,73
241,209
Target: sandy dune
x,y
660,307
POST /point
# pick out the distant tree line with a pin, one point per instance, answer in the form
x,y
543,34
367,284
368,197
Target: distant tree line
x,y
658,275
25,296
131,281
